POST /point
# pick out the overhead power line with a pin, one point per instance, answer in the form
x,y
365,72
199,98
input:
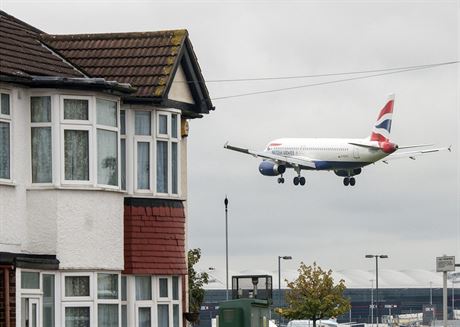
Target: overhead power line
x,y
383,72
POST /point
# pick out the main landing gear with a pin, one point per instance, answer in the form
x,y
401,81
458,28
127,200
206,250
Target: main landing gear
x,y
349,181
299,180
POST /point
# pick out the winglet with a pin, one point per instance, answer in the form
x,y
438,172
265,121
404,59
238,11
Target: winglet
x,y
450,148
225,145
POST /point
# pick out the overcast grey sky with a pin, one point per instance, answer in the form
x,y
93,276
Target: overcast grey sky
x,y
408,209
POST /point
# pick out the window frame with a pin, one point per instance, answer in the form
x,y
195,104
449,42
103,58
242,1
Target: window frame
x,y
150,139
170,140
8,118
42,125
89,304
79,299
116,129
91,109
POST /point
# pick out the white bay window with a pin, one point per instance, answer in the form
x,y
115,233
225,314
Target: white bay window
x,y
41,139
5,135
156,152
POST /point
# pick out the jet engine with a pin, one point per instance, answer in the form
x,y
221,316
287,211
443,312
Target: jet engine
x,y
346,173
270,168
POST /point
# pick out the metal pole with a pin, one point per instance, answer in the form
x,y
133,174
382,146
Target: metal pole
x,y
279,281
453,297
431,293
372,302
444,297
377,285
226,247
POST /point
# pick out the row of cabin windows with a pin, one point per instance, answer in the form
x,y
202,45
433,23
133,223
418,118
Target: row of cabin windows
x,y
111,298
311,148
94,144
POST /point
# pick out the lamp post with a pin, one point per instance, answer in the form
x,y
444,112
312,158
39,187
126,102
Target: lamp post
x,y
226,247
372,302
285,257
377,256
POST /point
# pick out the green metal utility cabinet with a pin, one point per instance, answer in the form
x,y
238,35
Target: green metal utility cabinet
x,y
244,313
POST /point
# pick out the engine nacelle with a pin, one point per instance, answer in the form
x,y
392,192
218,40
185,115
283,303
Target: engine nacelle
x,y
346,173
270,168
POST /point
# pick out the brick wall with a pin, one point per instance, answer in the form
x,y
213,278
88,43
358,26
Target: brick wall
x,y
154,237
12,294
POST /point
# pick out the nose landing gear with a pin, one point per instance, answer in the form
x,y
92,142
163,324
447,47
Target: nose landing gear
x,y
281,180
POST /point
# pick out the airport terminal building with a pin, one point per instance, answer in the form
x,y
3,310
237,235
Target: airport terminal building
x,y
405,292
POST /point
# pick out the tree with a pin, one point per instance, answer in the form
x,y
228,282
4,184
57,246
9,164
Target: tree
x,y
314,296
196,281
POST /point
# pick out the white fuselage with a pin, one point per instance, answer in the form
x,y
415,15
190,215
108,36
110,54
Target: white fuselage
x,y
328,153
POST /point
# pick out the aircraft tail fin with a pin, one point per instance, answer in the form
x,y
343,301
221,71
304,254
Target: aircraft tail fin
x,y
382,127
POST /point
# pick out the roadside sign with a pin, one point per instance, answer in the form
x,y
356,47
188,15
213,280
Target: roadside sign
x,y
445,263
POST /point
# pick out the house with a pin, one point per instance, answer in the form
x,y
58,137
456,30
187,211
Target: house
x,y
93,176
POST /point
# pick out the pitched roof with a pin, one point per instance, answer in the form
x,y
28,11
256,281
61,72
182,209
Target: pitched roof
x,y
146,60
22,54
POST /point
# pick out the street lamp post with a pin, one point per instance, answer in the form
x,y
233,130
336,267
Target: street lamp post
x,y
377,256
372,302
226,247
285,257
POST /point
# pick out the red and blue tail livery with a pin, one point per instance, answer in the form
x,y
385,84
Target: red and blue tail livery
x,y
345,157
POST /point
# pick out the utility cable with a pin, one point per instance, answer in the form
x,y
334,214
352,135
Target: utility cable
x,y
334,81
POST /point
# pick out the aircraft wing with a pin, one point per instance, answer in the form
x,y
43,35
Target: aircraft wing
x,y
413,154
289,160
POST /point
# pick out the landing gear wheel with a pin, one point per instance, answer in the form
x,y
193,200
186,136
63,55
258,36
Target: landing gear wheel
x,y
352,181
280,180
346,181
302,181
296,180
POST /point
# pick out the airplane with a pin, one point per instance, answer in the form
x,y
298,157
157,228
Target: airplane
x,y
345,157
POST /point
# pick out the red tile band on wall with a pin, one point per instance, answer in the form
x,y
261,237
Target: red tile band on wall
x,y
154,237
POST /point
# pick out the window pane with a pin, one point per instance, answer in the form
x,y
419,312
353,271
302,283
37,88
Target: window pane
x,y
143,288
123,163
163,315
41,155
123,288
107,286
142,123
175,315
107,315
124,316
174,168
107,157
162,167
48,301
77,317
5,104
163,124
30,280
122,122
4,150
40,109
77,286
144,317
174,126
143,165
76,149
106,112
163,287
175,286
76,109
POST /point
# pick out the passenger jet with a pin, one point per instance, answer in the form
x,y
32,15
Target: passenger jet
x,y
346,157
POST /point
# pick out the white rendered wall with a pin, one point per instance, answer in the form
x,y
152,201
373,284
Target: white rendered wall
x,y
13,197
84,228
180,90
